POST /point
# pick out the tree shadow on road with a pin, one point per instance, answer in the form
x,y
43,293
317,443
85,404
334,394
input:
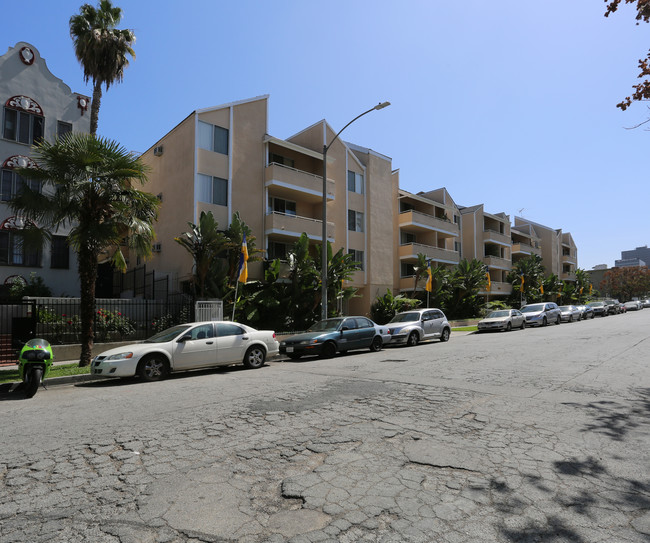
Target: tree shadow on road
x,y
614,419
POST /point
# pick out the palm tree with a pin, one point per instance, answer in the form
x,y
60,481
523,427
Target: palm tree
x,y
234,238
467,280
101,49
205,243
88,188
533,271
419,270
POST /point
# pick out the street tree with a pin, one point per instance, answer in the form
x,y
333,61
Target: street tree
x,y
88,187
626,283
641,90
101,48
533,273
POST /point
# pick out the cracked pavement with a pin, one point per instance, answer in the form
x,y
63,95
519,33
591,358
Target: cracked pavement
x,y
533,436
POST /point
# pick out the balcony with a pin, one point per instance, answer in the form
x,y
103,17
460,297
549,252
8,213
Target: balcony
x,y
568,259
416,220
525,249
568,276
498,263
411,250
296,184
496,237
497,288
290,227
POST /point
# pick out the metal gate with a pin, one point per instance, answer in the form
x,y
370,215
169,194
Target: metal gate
x,y
17,325
208,310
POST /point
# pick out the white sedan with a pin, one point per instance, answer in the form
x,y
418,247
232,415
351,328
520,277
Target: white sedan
x,y
503,319
188,346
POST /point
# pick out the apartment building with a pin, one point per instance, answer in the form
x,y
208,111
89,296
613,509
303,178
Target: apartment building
x,y
558,250
36,105
486,237
428,223
223,160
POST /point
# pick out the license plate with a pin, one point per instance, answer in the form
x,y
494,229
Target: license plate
x,y
289,349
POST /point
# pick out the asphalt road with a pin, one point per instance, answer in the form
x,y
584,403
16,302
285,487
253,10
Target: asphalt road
x,y
535,435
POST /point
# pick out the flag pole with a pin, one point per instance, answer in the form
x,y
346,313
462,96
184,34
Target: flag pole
x,y
234,302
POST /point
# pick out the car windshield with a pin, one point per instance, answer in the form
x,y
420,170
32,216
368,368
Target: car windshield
x,y
406,317
565,308
496,314
168,334
532,308
596,304
328,325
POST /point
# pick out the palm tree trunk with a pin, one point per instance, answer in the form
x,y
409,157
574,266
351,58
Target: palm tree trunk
x,y
94,107
87,280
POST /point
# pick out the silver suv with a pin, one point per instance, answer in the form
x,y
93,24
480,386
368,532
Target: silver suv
x,y
413,326
542,313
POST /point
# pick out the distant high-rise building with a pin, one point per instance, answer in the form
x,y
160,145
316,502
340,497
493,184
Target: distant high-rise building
x,y
636,257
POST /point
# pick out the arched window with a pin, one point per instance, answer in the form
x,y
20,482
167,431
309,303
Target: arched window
x,y
23,120
13,249
11,184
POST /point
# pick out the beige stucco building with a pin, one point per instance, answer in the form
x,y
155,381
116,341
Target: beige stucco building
x,y
224,160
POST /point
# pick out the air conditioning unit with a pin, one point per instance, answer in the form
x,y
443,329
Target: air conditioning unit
x,y
158,151
156,247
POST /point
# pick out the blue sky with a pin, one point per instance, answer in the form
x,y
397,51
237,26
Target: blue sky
x,y
509,103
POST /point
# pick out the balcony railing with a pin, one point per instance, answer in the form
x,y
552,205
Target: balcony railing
x,y
524,248
297,184
416,220
497,262
568,276
496,237
496,287
292,226
568,259
411,250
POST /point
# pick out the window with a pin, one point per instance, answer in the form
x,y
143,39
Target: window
x,y
406,270
362,322
63,128
14,253
60,253
22,127
355,182
11,185
279,159
357,256
213,138
406,238
405,206
278,205
355,221
456,219
213,190
278,250
205,331
457,246
226,329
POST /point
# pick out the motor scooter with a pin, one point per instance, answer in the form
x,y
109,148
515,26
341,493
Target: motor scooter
x,y
34,363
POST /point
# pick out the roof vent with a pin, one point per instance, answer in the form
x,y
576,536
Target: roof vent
x,y
158,151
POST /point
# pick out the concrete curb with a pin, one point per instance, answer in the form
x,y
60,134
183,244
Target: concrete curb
x,y
56,381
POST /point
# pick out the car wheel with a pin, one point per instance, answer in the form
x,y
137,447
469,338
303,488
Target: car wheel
x,y
294,356
376,344
413,339
329,350
559,320
445,335
153,368
254,357
570,318
544,322
592,315
523,325
508,327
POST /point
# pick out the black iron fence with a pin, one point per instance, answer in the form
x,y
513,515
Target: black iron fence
x,y
58,319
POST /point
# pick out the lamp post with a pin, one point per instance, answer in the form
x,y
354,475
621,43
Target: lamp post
x,y
326,147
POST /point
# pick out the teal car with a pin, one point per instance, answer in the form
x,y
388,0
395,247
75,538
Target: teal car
x,y
340,334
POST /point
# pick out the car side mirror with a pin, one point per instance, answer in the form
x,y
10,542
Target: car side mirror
x,y
344,328
186,337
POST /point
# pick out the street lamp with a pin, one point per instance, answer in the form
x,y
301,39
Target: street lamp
x,y
381,105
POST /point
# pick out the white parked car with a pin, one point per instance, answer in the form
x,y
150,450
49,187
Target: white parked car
x,y
570,313
188,346
502,319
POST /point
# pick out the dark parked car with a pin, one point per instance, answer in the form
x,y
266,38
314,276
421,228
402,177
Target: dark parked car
x,y
613,307
599,309
340,334
586,312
